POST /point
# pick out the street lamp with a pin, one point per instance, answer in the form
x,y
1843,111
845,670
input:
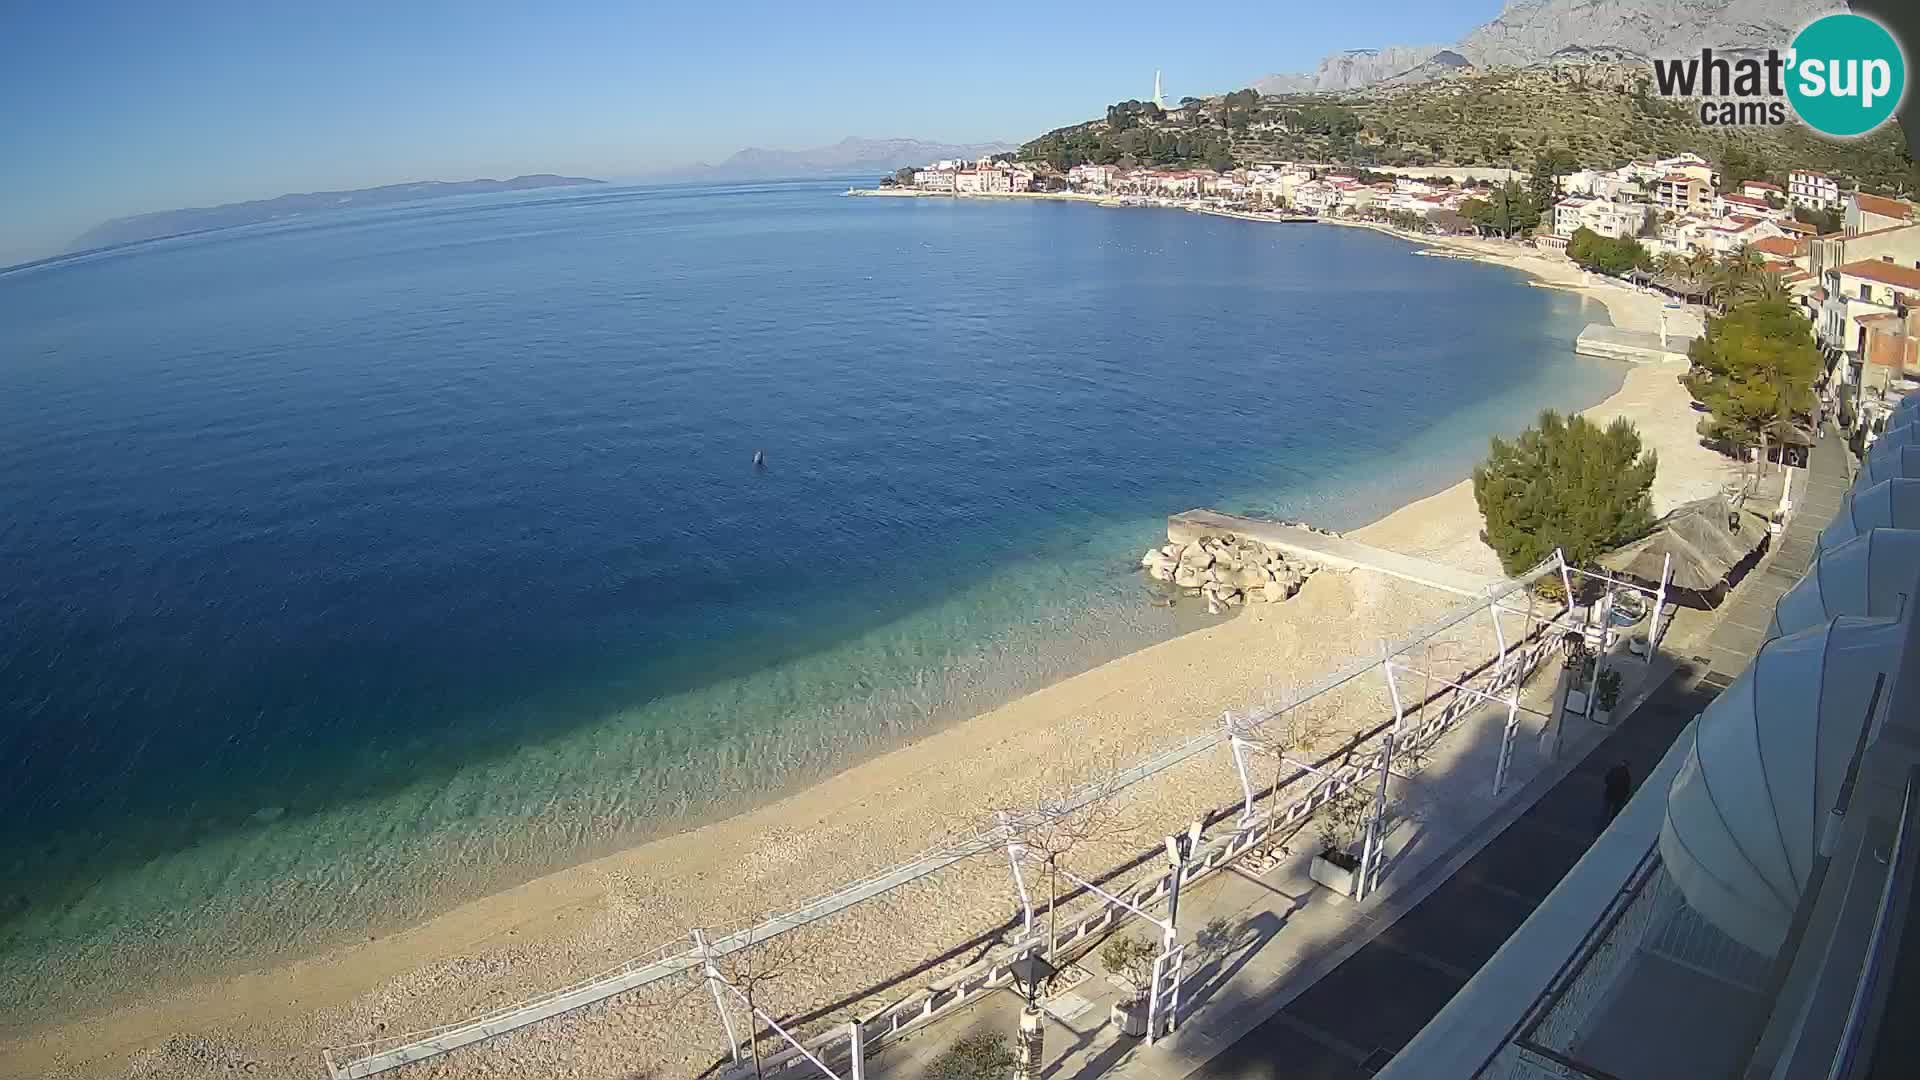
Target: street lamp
x,y
1030,971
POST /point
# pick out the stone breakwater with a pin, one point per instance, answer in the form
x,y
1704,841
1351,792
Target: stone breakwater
x,y
1227,570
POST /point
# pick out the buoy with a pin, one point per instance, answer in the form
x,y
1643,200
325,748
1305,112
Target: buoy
x,y
759,459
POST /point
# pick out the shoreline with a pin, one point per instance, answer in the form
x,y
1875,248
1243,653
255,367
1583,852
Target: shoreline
x,y
545,931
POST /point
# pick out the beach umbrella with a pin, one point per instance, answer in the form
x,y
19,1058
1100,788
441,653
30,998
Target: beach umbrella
x,y
1875,573
1769,756
1887,504
1705,540
1896,463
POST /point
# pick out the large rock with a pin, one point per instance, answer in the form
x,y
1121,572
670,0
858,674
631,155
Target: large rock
x,y
1196,556
1277,591
1187,577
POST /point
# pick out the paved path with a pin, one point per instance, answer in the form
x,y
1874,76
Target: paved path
x,y
1280,933
1335,552
1349,1023
1746,613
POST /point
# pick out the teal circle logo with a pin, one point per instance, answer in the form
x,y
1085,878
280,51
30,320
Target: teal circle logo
x,y
1846,75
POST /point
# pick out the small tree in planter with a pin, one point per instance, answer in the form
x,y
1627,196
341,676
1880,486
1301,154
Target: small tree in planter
x,y
1606,693
1101,818
1343,823
1130,959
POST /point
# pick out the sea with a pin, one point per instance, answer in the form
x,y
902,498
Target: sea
x,y
361,563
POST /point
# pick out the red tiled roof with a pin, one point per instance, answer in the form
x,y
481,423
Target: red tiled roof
x,y
1800,227
1783,246
1761,184
1882,230
1819,293
1747,200
1884,207
1900,277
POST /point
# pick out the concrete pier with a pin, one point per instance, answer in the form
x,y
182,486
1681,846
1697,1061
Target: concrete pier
x,y
1328,552
1633,346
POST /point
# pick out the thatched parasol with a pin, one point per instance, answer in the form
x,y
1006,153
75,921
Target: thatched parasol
x,y
1700,537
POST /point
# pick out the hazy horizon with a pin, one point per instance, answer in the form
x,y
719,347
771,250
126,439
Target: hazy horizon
x,y
138,108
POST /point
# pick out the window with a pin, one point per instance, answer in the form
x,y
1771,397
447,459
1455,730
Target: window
x,y
1865,291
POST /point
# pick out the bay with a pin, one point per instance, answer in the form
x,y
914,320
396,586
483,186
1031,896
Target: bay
x,y
357,564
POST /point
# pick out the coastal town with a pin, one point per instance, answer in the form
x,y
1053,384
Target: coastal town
x,y
1849,259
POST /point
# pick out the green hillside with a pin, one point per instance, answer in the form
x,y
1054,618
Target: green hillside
x,y
1601,115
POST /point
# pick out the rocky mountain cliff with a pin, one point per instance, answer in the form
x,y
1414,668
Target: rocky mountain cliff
x,y
1533,31
1350,69
1526,31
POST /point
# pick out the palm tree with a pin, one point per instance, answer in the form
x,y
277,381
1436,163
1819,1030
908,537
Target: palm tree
x,y
1768,286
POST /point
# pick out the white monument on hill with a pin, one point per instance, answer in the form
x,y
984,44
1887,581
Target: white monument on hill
x,y
1159,98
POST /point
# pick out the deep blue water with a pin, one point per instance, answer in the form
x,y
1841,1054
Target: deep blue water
x,y
352,566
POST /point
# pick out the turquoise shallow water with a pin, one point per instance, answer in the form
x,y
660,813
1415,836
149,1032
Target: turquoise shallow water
x,y
358,565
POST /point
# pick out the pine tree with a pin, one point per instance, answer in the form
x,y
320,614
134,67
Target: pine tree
x,y
1753,370
1565,484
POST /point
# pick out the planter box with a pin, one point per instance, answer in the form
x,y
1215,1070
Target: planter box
x,y
1577,702
1334,875
1603,716
1130,1017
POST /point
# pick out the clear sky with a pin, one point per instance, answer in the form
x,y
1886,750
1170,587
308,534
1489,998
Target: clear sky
x,y
117,108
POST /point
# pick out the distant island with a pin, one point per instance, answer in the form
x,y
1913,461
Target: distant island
x,y
153,226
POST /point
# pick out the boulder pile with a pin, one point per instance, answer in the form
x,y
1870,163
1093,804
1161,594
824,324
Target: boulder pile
x,y
1227,571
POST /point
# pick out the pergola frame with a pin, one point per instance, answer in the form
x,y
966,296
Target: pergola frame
x,y
857,1064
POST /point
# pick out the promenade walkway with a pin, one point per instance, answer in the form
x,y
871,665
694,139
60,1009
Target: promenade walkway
x,y
1746,613
1333,552
1262,941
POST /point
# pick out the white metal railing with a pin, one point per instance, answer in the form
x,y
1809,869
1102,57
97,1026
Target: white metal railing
x,y
1361,764
355,1061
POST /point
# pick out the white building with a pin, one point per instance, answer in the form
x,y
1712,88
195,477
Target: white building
x,y
1610,219
1857,290
1750,205
934,179
1692,165
1089,177
1870,213
1317,196
1815,189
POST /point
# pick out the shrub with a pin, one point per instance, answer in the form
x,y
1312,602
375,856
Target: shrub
x,y
980,1056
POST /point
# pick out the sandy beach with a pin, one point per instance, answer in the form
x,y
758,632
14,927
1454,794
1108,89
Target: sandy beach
x,y
560,927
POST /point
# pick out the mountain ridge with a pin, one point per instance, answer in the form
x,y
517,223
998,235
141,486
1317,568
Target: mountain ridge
x,y
159,224
1531,31
853,154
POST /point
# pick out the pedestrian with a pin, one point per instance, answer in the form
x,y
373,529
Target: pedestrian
x,y
1618,787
